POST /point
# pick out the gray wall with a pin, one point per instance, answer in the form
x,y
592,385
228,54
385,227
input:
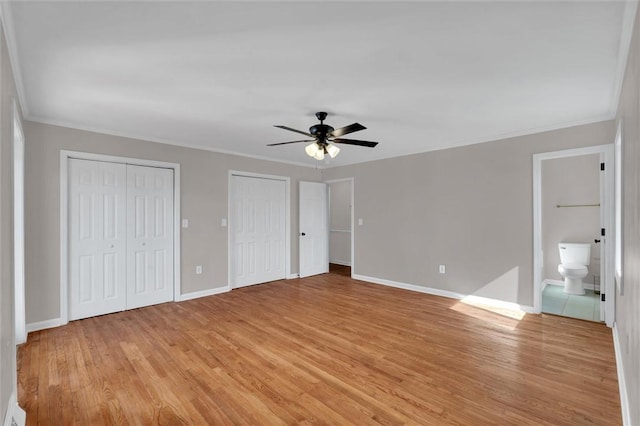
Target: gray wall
x,y
340,220
469,208
628,305
570,180
204,199
7,328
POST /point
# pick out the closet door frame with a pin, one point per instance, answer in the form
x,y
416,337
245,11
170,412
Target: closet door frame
x,y
64,218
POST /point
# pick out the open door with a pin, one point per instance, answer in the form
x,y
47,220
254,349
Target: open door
x,y
313,234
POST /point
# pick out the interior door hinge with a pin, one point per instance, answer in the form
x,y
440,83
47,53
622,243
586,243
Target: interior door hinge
x,y
602,232
602,166
602,298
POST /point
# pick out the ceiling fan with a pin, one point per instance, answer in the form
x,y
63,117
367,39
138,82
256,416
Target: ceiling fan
x,y
325,137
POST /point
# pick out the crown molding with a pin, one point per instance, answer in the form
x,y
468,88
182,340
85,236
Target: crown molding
x,y
127,135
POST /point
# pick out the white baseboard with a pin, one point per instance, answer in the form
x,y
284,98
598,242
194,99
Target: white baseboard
x,y
293,276
624,399
586,286
340,262
203,293
15,416
446,293
43,325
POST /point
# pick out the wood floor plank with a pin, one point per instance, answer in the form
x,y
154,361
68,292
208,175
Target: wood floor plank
x,y
321,350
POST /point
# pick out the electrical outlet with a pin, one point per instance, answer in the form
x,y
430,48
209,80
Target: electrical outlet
x,y
199,269
185,223
442,269
360,222
223,222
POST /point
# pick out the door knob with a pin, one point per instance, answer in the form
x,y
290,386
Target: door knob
x,y
303,234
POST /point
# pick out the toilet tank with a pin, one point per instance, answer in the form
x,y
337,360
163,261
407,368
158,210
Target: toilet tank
x,y
575,253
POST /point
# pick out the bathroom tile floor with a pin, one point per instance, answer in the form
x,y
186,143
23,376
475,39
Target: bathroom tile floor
x,y
555,301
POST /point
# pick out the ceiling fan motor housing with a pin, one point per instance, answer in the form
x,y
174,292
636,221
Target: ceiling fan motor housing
x,y
320,131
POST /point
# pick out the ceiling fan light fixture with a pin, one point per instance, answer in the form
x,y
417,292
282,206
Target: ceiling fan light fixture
x,y
312,149
323,135
332,150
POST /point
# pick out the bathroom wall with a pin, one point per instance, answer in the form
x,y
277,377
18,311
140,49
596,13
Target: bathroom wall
x,y
570,181
340,223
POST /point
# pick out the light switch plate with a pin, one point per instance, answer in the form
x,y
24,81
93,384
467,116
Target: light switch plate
x,y
223,222
185,223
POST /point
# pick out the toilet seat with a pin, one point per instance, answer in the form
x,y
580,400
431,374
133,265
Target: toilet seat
x,y
572,269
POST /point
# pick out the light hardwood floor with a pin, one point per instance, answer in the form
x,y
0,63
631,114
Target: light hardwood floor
x,y
322,350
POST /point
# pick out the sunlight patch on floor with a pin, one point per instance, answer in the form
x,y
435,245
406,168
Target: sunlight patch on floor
x,y
503,316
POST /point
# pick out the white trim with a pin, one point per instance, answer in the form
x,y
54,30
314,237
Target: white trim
x,y
446,293
353,230
17,190
94,129
622,384
287,219
15,416
318,164
43,325
618,211
607,281
65,155
607,278
203,293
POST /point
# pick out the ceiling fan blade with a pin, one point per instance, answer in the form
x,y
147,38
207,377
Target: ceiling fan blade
x,y
285,143
355,142
347,129
294,130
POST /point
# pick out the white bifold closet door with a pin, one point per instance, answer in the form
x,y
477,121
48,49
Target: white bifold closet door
x,y
120,237
149,236
257,230
97,218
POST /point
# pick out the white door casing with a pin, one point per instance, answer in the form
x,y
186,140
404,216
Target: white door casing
x,y
257,230
97,238
604,239
121,237
607,281
18,225
65,233
149,236
313,230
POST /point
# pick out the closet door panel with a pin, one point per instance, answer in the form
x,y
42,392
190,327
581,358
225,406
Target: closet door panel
x,y
149,236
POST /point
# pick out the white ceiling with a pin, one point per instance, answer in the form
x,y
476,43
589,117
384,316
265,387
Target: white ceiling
x,y
218,75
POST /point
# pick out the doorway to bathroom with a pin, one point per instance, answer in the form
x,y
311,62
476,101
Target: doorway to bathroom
x,y
573,194
341,226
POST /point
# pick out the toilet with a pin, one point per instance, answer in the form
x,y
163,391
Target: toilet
x,y
574,258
